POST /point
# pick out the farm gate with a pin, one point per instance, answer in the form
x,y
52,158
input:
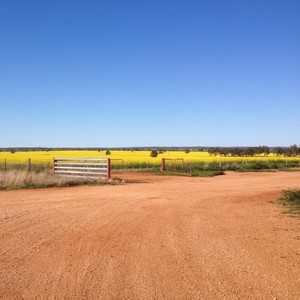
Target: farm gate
x,y
93,168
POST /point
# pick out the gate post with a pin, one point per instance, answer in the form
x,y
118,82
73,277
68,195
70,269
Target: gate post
x,y
108,168
53,166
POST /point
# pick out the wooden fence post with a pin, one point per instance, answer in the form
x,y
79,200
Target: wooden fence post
x,y
29,164
163,164
5,166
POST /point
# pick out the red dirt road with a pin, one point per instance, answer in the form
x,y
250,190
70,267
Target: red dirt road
x,y
162,238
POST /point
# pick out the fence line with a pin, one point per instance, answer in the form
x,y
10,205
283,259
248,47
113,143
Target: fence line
x,y
163,163
118,159
5,165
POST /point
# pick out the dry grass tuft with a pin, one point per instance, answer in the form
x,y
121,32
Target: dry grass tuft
x,y
20,179
291,200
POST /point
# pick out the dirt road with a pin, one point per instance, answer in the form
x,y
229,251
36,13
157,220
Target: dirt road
x,y
159,238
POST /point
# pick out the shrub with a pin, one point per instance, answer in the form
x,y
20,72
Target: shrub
x,y
153,153
291,199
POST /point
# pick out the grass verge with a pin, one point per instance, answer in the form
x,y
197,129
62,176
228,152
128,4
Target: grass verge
x,y
20,179
194,173
291,200
187,167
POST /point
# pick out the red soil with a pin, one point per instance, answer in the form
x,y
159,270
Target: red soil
x,y
158,238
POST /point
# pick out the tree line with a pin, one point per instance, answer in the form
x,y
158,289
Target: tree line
x,y
291,151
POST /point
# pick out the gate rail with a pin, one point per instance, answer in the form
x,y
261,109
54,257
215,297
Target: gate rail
x,y
94,168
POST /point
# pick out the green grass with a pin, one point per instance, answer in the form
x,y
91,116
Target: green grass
x,y
290,199
200,168
207,173
289,170
195,173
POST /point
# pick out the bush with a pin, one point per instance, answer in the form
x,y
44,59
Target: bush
x,y
153,153
291,199
291,196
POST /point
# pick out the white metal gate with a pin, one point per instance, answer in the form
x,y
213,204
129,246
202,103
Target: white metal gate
x,y
94,168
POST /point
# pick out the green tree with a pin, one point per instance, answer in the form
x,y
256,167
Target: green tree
x,y
153,153
294,150
278,151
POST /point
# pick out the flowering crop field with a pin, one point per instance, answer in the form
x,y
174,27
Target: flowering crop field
x,y
129,157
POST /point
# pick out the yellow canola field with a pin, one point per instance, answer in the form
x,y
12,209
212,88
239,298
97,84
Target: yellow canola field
x,y
127,156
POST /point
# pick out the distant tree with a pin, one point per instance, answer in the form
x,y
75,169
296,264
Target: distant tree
x,y
262,150
187,151
107,152
266,150
224,151
160,151
214,151
236,151
294,150
278,151
12,151
153,153
250,151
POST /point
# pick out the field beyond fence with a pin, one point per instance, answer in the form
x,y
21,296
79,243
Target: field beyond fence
x,y
141,160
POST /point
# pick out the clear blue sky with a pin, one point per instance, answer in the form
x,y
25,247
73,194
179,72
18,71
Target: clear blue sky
x,y
151,72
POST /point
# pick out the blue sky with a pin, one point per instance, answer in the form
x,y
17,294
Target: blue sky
x,y
147,73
